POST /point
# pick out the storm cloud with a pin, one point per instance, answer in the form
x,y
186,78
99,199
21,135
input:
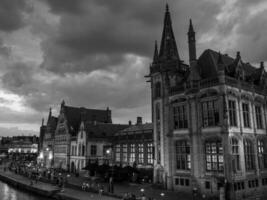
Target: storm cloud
x,y
95,53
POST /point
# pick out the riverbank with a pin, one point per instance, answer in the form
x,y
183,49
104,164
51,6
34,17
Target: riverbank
x,y
47,190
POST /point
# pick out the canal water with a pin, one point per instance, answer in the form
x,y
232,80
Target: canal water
x,y
10,193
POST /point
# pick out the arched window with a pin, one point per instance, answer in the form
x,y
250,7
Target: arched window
x,y
262,157
249,155
235,155
214,155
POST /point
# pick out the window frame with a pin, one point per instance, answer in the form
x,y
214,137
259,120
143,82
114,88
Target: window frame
x,y
249,155
210,117
183,155
232,112
246,115
180,116
214,156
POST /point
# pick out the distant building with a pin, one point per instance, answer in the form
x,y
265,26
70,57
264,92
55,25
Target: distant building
x,y
209,120
134,146
46,146
21,147
69,121
93,144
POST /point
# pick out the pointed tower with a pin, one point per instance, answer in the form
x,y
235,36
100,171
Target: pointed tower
x,y
191,42
168,48
156,53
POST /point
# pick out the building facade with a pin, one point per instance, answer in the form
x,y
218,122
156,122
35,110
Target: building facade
x,y
209,120
46,146
93,144
133,146
69,121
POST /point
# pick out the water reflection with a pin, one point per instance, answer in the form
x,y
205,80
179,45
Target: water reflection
x,y
10,193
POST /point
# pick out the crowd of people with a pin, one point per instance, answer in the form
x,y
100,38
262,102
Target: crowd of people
x,y
36,173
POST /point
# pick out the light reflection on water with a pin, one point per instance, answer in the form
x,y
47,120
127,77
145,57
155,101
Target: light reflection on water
x,y
9,193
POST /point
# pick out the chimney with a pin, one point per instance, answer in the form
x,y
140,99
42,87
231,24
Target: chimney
x,y
130,123
139,120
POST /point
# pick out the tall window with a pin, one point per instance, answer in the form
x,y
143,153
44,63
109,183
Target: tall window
x,y
157,90
180,117
93,150
246,120
118,152
258,117
214,156
158,131
149,153
262,157
124,153
249,154
232,113
140,153
83,150
235,155
183,159
132,153
210,113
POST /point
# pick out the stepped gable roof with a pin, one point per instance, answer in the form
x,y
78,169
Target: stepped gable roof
x,y
52,123
138,128
102,130
75,115
208,65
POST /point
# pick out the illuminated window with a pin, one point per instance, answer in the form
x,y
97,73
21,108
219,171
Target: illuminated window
x,y
214,156
183,159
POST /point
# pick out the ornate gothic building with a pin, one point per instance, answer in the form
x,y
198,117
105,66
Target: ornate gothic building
x,y
209,120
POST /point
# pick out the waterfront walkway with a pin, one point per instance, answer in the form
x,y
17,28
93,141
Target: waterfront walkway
x,y
67,194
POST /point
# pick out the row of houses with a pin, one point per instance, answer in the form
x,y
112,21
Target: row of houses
x,y
79,136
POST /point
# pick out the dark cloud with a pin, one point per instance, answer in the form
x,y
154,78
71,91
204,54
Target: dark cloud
x,y
66,6
109,30
96,52
18,77
12,14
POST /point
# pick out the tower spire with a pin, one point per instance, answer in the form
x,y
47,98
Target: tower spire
x,y
191,42
191,28
168,48
156,53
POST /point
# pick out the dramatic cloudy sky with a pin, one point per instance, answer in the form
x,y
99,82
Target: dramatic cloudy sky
x,y
95,53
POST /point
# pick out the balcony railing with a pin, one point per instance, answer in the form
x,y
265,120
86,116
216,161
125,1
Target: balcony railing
x,y
214,81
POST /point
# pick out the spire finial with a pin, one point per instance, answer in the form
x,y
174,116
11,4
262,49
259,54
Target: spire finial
x,y
167,7
191,29
42,121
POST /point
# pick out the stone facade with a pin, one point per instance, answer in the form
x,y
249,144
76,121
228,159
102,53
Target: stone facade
x,y
134,146
209,120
